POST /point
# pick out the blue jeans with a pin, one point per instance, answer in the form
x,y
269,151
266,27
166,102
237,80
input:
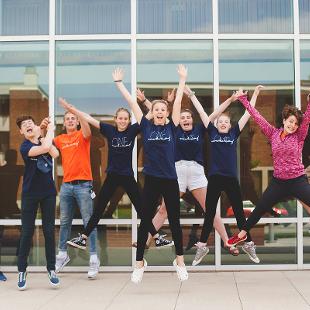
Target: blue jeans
x,y
30,205
69,195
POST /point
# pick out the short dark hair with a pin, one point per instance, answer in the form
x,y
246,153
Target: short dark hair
x,y
22,118
187,111
289,110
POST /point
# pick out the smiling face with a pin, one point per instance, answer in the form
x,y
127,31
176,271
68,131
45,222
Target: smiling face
x,y
160,112
122,120
28,128
186,121
70,122
223,123
290,124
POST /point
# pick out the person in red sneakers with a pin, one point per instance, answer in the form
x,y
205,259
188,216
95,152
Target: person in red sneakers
x,y
223,176
289,178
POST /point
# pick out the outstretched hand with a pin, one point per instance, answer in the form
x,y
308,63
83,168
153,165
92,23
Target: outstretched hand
x,y
140,95
118,74
44,123
64,104
240,92
257,89
171,96
182,71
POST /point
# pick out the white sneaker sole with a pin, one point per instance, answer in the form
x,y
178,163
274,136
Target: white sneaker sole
x,y
256,261
76,246
53,285
165,246
22,288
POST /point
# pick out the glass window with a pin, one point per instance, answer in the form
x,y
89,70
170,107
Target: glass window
x,y
174,16
304,16
92,16
245,63
20,17
156,74
23,90
305,90
255,16
84,78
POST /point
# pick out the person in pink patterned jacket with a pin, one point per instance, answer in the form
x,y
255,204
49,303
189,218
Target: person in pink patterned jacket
x,y
289,178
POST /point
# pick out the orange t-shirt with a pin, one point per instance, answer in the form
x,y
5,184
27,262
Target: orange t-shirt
x,y
75,154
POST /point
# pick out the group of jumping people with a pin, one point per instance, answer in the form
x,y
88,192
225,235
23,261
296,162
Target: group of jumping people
x,y
173,163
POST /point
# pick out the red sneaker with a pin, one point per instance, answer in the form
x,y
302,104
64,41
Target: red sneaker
x,y
235,240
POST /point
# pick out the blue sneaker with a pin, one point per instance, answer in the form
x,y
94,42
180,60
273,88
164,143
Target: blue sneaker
x,y
54,281
2,276
22,280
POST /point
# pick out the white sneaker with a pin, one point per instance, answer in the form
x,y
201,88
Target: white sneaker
x,y
181,271
137,274
250,249
93,268
61,262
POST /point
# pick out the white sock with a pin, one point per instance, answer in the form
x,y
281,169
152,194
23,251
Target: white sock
x,y
62,253
93,258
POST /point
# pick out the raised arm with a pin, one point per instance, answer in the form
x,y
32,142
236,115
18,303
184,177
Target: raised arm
x,y
302,131
46,143
266,128
176,110
118,75
202,113
246,116
141,97
81,115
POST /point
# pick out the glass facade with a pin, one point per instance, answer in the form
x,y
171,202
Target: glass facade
x,y
68,48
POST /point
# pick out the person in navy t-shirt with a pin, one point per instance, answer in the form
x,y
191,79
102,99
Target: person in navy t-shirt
x,y
121,140
159,169
38,190
222,175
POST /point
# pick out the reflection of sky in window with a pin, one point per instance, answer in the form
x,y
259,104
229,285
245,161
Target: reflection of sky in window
x,y
304,16
252,62
174,16
256,16
305,60
157,60
16,57
84,74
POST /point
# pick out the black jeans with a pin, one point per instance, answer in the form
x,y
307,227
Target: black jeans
x,y
153,189
30,205
231,186
111,183
276,191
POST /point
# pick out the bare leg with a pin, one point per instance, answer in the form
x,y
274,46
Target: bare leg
x,y
200,195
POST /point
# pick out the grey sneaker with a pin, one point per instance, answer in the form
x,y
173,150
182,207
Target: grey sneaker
x,y
250,249
61,262
200,254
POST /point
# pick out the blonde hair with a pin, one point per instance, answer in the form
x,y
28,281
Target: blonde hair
x,y
160,101
124,110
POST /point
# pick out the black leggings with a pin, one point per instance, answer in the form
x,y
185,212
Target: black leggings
x,y
277,191
231,186
111,183
153,188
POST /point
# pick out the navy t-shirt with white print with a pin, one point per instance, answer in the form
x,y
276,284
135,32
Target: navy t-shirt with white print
x,y
35,182
223,151
189,144
159,149
121,144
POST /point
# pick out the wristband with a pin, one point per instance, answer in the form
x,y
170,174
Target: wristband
x,y
118,81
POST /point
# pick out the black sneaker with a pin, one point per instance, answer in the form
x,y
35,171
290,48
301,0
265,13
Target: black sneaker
x,y
162,242
78,242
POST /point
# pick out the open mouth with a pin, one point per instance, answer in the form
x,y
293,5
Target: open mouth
x,y
29,130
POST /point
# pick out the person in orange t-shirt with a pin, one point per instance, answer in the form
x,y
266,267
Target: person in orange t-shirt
x,y
76,189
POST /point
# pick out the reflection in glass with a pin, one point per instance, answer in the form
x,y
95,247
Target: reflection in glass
x,y
245,63
156,75
23,89
275,244
255,16
84,78
304,16
305,90
20,17
9,241
92,16
174,16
